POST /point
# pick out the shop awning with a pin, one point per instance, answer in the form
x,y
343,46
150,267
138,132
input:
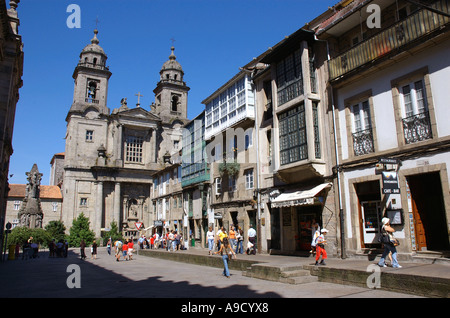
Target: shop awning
x,y
299,197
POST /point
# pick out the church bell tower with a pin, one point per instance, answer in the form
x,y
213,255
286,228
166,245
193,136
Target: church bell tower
x,y
171,92
91,77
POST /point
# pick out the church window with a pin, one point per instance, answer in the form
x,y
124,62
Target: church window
x,y
16,205
174,103
95,60
54,206
89,135
91,92
83,201
134,147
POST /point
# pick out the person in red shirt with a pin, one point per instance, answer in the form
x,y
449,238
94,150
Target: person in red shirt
x,y
125,251
130,249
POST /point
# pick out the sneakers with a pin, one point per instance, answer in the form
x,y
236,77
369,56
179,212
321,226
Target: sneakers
x,y
384,265
321,263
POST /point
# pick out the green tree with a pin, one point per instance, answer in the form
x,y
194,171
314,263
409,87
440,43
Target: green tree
x,y
80,230
56,230
19,235
113,233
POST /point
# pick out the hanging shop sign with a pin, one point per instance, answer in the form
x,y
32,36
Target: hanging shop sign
x,y
390,182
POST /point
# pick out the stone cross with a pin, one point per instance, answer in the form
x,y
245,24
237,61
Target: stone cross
x,y
139,98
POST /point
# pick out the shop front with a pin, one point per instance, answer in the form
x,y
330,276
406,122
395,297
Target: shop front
x,y
293,216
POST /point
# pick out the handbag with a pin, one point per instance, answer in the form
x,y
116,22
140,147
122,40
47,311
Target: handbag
x,y
384,238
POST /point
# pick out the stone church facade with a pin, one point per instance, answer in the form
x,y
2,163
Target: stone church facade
x,y
110,157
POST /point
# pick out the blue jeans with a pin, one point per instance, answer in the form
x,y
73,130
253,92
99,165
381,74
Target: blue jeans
x,y
240,247
389,248
210,244
226,272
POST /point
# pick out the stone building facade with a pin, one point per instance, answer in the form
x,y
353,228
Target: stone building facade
x,y
111,157
11,70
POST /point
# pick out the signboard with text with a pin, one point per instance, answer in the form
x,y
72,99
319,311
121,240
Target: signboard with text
x,y
390,182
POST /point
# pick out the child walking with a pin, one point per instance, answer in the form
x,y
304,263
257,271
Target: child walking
x,y
320,247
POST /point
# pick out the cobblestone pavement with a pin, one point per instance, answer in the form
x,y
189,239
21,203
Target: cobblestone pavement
x,y
152,278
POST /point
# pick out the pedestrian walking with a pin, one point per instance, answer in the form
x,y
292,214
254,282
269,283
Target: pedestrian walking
x,y
232,236
52,248
94,250
252,239
320,247
125,250
226,250
315,235
82,247
108,246
118,249
130,249
210,239
389,246
240,241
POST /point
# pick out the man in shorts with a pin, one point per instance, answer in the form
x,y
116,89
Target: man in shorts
x,y
118,249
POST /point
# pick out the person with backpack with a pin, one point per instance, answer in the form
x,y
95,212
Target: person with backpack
x,y
118,249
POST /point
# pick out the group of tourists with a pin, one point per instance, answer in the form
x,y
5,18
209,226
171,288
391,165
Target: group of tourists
x,y
58,249
121,249
235,237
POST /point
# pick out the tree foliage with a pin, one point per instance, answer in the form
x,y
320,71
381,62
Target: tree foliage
x,y
56,230
80,230
113,233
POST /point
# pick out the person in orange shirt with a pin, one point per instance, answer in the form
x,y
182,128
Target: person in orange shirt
x,y
232,237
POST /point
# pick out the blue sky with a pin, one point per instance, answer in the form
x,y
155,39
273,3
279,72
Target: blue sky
x,y
213,38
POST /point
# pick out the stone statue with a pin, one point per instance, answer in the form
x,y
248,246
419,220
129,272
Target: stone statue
x,y
30,214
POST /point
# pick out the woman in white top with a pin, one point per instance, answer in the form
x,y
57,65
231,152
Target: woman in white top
x,y
388,247
210,238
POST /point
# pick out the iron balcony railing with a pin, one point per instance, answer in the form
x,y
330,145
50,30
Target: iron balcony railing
x,y
417,128
410,29
363,142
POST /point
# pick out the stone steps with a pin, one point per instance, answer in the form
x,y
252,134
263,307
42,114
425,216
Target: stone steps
x,y
280,273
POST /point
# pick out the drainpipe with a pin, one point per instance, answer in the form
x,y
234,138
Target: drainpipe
x,y
338,168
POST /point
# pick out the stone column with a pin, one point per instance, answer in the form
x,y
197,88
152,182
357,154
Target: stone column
x,y
99,209
116,216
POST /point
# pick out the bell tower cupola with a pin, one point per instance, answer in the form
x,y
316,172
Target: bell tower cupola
x,y
91,77
171,92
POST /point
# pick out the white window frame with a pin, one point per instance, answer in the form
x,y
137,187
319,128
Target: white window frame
x,y
414,98
361,114
89,136
16,205
249,179
218,183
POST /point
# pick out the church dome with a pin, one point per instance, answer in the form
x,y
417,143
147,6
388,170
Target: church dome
x,y
172,64
93,47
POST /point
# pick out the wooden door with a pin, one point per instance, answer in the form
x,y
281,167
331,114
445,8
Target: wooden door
x,y
419,229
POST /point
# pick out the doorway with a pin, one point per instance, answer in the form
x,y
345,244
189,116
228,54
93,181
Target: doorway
x,y
371,220
305,216
428,211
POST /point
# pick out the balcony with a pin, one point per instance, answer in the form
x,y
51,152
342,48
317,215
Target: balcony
x,y
363,142
417,128
411,29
